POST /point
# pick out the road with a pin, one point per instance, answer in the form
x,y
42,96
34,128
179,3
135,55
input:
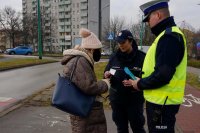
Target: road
x,y
20,83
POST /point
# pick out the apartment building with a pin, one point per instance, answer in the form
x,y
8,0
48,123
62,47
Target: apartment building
x,y
62,19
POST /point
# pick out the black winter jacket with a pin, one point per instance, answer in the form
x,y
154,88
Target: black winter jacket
x,y
134,61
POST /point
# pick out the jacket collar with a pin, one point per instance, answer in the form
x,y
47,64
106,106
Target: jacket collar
x,y
127,57
163,25
71,53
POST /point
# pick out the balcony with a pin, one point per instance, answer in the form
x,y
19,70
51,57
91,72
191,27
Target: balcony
x,y
64,16
84,14
34,4
83,1
47,5
66,37
84,7
64,2
48,24
65,9
34,11
47,18
84,21
64,23
65,43
65,30
47,30
61,37
48,11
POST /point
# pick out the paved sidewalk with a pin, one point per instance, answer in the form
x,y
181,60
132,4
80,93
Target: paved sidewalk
x,y
38,116
193,70
189,118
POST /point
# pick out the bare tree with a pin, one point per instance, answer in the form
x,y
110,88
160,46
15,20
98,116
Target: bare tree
x,y
115,25
147,36
189,33
30,29
11,22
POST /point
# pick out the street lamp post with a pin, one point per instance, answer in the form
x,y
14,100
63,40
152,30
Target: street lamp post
x,y
141,33
99,19
39,32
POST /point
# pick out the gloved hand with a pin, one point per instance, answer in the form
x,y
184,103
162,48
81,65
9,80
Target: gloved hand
x,y
107,82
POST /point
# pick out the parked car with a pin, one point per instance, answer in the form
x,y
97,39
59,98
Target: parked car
x,y
21,50
1,51
103,53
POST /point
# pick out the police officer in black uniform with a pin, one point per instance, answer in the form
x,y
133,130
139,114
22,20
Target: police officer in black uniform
x,y
127,104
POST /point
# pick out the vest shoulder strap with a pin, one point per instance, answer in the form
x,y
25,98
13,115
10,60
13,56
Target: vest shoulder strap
x,y
178,36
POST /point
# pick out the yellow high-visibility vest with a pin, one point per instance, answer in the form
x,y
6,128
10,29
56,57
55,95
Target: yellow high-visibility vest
x,y
175,89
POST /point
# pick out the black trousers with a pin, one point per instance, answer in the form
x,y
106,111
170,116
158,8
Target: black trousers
x,y
132,113
161,119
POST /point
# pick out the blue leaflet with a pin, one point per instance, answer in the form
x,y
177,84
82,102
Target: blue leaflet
x,y
129,73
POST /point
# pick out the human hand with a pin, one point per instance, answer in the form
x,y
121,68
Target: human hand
x,y
133,83
127,83
107,74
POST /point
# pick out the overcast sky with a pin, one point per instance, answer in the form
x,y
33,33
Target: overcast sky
x,y
182,10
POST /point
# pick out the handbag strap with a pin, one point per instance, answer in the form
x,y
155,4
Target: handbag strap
x,y
75,64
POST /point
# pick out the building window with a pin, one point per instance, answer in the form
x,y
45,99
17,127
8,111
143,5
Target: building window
x,y
77,5
77,26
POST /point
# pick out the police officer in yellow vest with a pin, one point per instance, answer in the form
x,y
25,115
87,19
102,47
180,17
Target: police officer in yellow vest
x,y
163,81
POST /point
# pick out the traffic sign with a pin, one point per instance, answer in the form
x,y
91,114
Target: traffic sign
x,y
110,37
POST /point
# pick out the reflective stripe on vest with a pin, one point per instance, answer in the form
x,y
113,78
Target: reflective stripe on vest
x,y
175,89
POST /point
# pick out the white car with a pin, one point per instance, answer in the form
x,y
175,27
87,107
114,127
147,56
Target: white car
x,y
103,53
1,51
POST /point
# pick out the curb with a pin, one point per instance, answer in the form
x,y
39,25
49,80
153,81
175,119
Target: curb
x,y
23,66
20,103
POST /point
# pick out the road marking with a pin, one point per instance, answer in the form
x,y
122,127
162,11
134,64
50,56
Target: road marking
x,y
189,99
6,101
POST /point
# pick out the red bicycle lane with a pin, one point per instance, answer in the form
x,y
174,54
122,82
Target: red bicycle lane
x,y
188,118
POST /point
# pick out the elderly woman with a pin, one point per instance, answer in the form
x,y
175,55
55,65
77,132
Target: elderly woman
x,y
84,78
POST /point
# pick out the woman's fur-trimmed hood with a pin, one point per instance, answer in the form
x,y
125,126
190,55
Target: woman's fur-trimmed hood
x,y
71,53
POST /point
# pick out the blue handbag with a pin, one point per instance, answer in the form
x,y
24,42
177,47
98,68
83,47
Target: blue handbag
x,y
69,98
